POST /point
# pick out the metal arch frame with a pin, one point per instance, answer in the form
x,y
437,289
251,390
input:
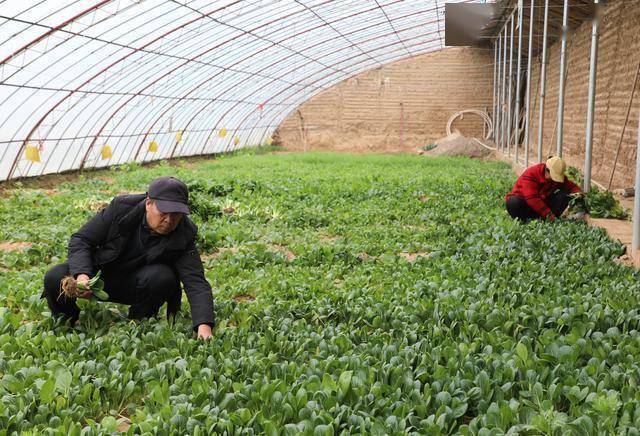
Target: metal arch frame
x,y
172,104
343,17
333,28
156,81
290,105
297,103
180,99
86,70
287,105
283,114
33,129
306,87
311,74
335,80
182,26
48,34
320,88
151,42
394,28
224,68
221,67
71,35
278,61
110,44
55,29
290,83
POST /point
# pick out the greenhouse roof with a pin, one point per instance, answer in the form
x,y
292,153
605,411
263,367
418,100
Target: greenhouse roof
x,y
87,84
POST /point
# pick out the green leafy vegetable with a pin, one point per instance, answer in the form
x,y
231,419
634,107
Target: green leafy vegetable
x,y
597,203
355,294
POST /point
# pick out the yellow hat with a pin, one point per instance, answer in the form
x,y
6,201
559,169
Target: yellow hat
x,y
556,167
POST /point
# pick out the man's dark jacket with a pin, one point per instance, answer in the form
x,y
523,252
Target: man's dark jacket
x,y
101,241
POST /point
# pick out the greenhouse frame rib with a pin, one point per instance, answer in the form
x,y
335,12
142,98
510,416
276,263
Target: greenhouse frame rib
x,y
82,75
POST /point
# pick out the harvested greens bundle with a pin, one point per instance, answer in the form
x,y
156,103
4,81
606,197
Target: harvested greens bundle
x,y
70,288
597,203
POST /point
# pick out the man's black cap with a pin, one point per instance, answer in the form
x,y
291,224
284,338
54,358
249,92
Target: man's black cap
x,y
170,195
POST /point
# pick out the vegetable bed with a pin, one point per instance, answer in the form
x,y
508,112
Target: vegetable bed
x,y
355,294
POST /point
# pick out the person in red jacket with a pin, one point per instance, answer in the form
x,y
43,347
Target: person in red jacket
x,y
541,192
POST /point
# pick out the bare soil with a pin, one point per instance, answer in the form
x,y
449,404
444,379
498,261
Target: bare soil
x,y
244,297
14,246
412,257
288,254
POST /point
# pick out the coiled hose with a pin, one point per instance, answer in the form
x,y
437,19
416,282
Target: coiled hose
x,y
487,122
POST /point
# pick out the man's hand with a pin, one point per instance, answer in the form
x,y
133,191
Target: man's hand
x,y
83,283
204,331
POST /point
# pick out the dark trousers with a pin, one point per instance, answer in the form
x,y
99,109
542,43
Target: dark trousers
x,y
144,290
519,209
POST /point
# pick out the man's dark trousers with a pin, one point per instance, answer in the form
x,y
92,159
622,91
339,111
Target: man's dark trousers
x,y
144,290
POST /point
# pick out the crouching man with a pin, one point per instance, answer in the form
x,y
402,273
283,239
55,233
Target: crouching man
x,y
144,246
541,192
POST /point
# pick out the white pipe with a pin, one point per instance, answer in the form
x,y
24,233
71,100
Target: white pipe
x,y
503,117
518,73
543,79
495,60
498,118
635,242
509,96
528,97
593,66
563,66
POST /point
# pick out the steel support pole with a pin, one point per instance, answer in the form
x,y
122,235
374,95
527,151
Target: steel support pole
x,y
498,118
495,66
563,67
543,79
635,242
503,115
527,120
509,94
593,66
518,73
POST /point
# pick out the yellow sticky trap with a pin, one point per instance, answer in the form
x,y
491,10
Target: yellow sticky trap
x,y
222,133
269,141
106,152
179,136
236,140
153,146
32,153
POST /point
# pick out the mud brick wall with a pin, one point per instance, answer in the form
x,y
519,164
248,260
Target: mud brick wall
x,y
396,107
618,57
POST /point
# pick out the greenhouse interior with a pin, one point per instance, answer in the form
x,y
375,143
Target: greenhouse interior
x,y
319,217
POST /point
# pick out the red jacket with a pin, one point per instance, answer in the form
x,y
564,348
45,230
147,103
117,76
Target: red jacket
x,y
534,188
